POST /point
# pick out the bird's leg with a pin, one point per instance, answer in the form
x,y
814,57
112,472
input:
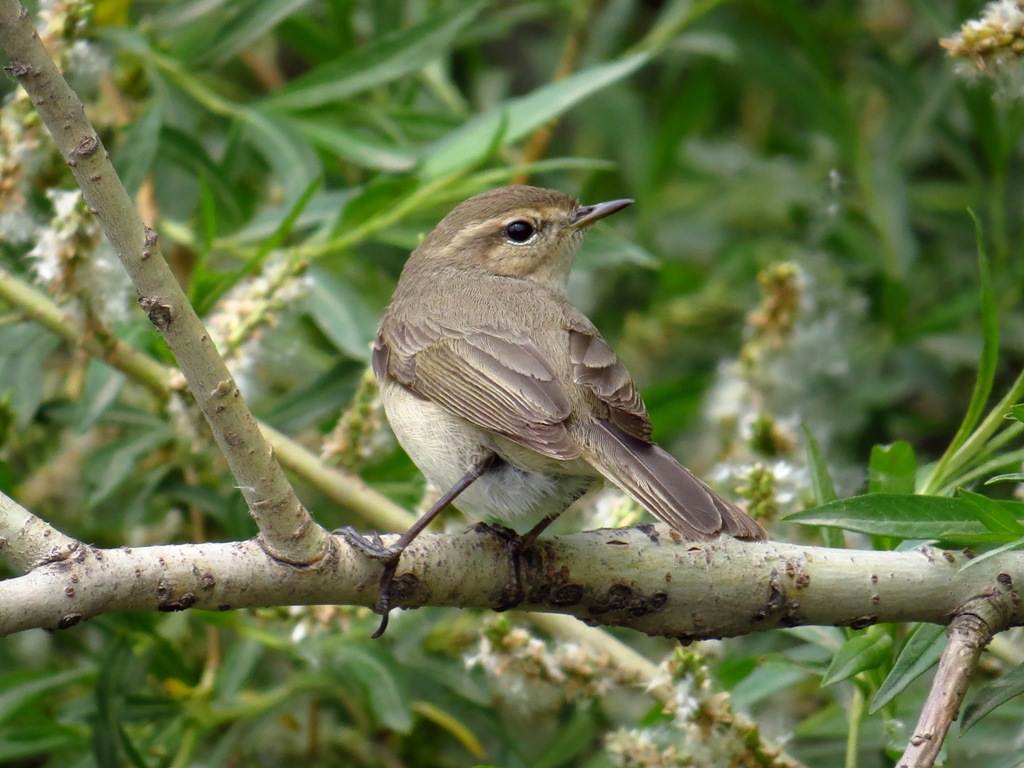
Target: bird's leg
x,y
515,545
390,556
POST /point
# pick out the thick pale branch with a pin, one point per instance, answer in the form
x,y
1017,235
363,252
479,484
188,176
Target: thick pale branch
x,y
286,528
641,578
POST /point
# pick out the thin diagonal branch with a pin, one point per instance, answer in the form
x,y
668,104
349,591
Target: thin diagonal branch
x,y
970,631
286,528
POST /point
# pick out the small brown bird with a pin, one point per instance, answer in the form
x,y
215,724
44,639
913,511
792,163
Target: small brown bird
x,y
504,394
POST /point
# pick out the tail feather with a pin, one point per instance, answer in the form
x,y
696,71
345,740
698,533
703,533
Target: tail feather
x,y
666,488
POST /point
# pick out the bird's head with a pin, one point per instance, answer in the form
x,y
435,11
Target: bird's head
x,y
517,231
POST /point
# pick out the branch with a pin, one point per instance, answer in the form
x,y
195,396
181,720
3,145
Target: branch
x,y
970,631
286,528
29,541
643,578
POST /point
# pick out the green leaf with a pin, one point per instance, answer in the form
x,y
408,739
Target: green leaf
x,y
991,695
993,515
213,286
892,468
388,701
374,200
24,350
986,365
571,739
1017,412
251,21
822,485
357,149
522,115
920,653
903,516
237,670
295,165
383,61
1010,477
341,314
18,689
112,465
829,638
1009,546
858,654
821,480
103,384
182,150
44,740
139,147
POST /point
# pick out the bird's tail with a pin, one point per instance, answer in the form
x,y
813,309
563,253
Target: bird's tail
x,y
666,488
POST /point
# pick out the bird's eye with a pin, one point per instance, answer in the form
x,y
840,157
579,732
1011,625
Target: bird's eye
x,y
519,231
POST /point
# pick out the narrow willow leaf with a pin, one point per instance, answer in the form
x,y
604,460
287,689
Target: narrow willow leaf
x,y
388,702
19,689
250,22
991,695
523,115
822,485
920,653
858,654
821,480
137,152
892,468
572,738
341,314
986,365
993,515
295,164
385,60
356,149
903,516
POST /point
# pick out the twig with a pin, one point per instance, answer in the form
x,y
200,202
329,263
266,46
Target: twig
x,y
970,631
286,528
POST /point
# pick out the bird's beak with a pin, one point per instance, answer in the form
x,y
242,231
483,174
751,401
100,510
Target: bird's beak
x,y
586,215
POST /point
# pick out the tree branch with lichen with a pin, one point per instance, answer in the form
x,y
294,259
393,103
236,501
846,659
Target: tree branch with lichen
x,y
646,578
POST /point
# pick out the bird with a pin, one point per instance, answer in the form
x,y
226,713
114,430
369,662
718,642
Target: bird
x,y
505,395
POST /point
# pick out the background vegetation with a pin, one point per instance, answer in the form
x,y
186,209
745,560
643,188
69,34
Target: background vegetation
x,y
800,255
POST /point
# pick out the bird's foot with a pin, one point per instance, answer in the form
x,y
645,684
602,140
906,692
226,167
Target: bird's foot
x,y
374,549
514,544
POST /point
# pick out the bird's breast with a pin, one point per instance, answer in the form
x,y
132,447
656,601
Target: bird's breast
x,y
525,486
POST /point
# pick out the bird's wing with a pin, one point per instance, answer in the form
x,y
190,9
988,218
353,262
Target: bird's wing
x,y
501,384
661,484
618,443
596,368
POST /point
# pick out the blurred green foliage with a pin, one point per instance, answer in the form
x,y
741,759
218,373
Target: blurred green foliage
x,y
800,255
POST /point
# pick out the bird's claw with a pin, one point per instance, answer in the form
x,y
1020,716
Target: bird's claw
x,y
374,549
513,593
371,546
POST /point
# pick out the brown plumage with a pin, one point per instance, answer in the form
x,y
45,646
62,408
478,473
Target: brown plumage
x,y
481,353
